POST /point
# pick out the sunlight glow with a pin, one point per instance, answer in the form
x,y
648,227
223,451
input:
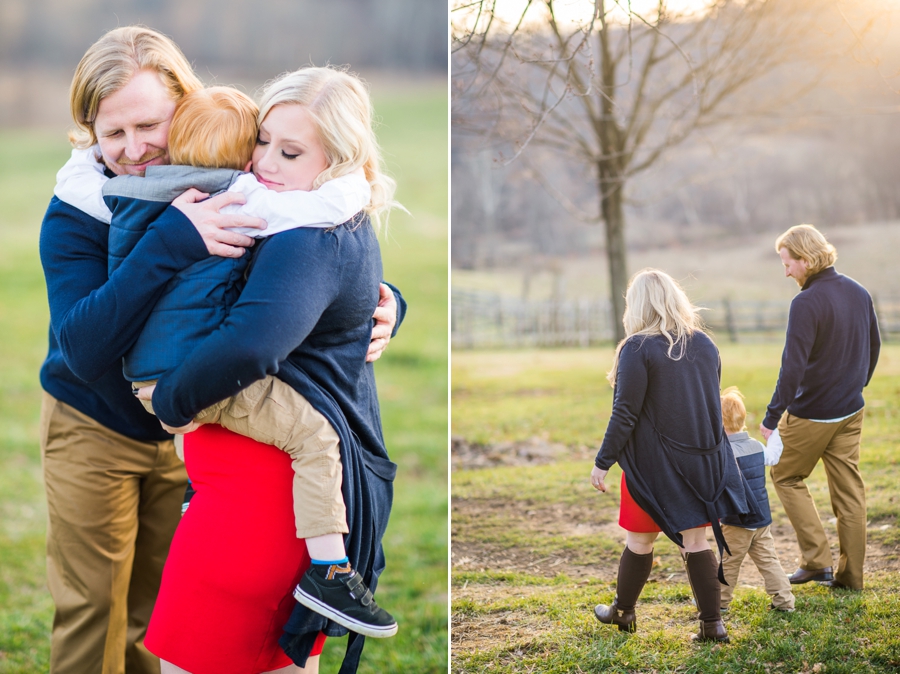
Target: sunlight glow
x,y
575,12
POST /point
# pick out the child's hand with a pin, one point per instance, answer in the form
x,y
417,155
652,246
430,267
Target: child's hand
x,y
774,448
597,478
181,430
145,392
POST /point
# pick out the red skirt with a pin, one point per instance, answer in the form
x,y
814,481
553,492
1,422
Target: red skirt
x,y
632,517
235,559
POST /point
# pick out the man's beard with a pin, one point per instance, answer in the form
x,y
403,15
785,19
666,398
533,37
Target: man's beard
x,y
150,156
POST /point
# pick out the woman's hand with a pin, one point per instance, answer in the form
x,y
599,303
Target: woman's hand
x,y
146,393
385,319
210,224
597,477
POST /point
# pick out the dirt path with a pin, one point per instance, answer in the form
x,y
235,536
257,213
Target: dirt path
x,y
570,520
561,520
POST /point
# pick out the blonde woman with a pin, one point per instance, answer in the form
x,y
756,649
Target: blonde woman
x,y
304,314
679,475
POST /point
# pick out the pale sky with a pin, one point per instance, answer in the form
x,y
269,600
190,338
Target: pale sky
x,y
579,11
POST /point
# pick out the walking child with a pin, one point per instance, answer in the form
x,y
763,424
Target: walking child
x,y
753,537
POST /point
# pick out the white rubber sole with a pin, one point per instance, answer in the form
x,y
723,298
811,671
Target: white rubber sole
x,y
314,604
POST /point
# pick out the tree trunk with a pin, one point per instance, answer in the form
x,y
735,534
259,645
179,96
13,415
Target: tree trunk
x,y
611,184
614,222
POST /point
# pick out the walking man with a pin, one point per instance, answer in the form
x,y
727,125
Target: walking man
x,y
830,352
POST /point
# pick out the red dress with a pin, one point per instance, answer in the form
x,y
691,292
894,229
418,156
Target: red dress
x,y
634,518
234,561
631,516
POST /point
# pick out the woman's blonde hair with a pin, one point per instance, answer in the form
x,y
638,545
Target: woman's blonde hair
x,y
111,62
805,242
656,305
734,413
214,128
339,105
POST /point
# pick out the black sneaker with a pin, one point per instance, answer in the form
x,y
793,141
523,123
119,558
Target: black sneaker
x,y
188,495
347,601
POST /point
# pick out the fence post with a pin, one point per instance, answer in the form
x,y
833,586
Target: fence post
x,y
729,320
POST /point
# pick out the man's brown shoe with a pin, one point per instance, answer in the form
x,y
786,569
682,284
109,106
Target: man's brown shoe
x,y
838,585
801,576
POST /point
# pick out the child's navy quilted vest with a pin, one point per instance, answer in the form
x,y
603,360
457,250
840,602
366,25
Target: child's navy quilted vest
x,y
197,300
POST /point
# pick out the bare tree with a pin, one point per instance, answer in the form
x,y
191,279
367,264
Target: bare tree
x,y
618,87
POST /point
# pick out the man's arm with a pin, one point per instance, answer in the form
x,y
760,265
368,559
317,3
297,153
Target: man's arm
x,y
96,317
874,341
798,343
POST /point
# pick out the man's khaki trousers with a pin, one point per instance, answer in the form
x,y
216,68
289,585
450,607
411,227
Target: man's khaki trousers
x,y
113,506
837,445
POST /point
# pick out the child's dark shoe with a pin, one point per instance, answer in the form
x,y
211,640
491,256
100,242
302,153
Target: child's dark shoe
x,y
345,599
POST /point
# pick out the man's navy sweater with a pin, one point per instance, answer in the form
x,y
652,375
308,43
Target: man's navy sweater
x,y
95,318
830,350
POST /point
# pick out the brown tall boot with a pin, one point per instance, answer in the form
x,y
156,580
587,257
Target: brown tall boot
x,y
634,570
702,572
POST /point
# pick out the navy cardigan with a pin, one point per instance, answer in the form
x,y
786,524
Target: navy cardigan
x,y
305,316
830,350
666,433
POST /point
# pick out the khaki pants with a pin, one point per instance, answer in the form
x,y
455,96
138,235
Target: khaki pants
x,y
113,505
271,412
837,445
760,545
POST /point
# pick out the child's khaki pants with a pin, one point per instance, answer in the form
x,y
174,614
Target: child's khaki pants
x,y
760,545
271,412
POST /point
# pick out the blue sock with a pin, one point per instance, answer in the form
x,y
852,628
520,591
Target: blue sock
x,y
331,569
325,562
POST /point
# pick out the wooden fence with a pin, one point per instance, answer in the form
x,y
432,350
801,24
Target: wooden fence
x,y
484,321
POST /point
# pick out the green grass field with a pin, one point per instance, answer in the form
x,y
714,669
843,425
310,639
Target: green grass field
x,y
412,379
535,547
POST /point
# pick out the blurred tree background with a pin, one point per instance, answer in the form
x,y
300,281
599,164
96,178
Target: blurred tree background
x,y
812,137
41,41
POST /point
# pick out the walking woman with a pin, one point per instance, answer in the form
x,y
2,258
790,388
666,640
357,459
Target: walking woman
x,y
679,474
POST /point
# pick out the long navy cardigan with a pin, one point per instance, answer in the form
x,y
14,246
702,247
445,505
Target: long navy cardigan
x,y
666,433
305,315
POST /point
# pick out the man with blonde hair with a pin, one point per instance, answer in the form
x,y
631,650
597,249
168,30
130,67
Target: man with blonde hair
x,y
831,348
114,483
